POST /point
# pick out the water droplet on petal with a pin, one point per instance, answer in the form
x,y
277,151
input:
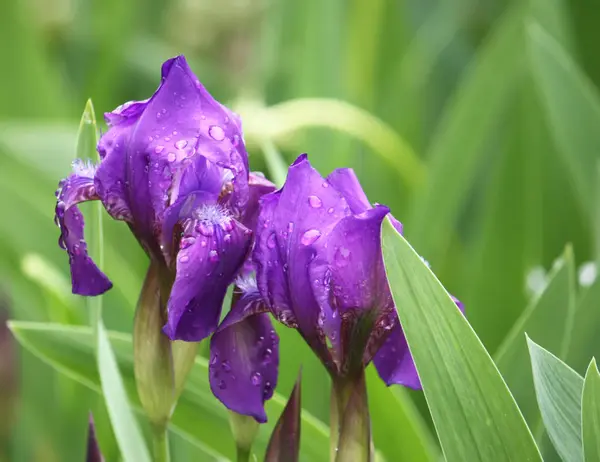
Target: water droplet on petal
x,y
158,149
222,385
171,157
213,360
216,133
325,184
256,379
213,256
181,144
341,257
310,236
226,366
235,140
271,242
315,202
184,258
330,210
290,227
186,242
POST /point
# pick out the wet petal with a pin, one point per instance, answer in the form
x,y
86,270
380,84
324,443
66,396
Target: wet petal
x,y
344,180
394,362
244,359
210,254
86,277
307,211
151,143
258,187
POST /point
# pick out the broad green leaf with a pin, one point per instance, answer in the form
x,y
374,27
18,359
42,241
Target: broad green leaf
x,y
566,91
590,414
393,413
558,389
549,319
199,417
457,145
128,434
475,416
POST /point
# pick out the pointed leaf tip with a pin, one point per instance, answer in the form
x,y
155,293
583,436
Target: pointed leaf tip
x,y
93,450
284,444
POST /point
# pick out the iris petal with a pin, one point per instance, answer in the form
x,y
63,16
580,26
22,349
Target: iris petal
x,y
86,277
209,257
245,359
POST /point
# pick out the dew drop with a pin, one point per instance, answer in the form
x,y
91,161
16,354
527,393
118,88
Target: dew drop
x,y
315,202
216,133
227,238
184,258
330,210
310,236
171,157
341,257
235,140
213,360
181,144
290,227
222,385
325,184
256,379
226,366
158,149
186,242
213,256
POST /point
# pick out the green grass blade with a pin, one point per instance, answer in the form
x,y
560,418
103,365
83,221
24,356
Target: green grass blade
x,y
558,389
199,417
572,107
548,319
456,149
128,434
475,416
590,414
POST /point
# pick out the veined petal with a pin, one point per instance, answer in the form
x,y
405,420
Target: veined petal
x,y
258,187
393,361
212,249
86,277
244,358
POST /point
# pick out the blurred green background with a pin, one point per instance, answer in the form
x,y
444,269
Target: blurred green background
x,y
476,121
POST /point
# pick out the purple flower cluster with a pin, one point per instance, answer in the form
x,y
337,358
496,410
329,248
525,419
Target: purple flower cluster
x,y
175,169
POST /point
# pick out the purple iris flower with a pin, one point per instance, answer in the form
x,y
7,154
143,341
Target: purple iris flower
x,y
319,269
173,167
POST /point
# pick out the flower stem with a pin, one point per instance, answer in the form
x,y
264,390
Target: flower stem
x,y
340,393
243,454
161,444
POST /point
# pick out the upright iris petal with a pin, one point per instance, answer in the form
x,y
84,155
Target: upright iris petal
x,y
319,269
175,168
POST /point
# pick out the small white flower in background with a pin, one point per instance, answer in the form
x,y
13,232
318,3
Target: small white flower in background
x,y
587,273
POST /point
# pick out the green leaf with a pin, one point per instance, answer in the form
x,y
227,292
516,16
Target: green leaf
x,y
199,417
279,121
549,318
277,166
128,435
475,416
565,90
590,418
393,413
457,145
558,389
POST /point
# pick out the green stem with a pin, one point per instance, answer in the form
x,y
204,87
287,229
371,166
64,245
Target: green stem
x,y
340,393
243,454
161,444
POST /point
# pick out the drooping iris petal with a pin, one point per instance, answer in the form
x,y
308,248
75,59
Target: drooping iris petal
x,y
245,358
394,362
86,277
212,249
